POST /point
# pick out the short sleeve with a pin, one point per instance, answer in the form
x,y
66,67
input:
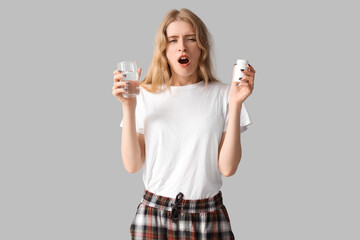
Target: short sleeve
x,y
139,118
245,119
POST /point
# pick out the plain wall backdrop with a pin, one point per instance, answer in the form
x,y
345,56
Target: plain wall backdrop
x,y
61,173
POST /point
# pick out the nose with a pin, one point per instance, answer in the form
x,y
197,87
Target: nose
x,y
182,47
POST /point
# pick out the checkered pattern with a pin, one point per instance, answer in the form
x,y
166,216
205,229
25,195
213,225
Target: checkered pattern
x,y
198,219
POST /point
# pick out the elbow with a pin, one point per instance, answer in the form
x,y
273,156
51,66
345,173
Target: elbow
x,y
229,170
228,164
229,173
132,169
132,166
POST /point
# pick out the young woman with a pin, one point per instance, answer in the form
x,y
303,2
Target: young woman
x,y
184,130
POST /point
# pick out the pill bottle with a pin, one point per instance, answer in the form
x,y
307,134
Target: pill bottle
x,y
240,64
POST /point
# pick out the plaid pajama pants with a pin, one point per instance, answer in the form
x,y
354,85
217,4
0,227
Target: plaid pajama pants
x,y
159,217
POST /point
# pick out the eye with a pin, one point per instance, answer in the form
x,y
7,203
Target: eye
x,y
192,39
172,40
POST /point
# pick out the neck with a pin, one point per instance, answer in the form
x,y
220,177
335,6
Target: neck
x,y
177,80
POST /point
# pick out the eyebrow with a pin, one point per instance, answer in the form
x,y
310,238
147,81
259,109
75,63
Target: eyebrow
x,y
187,35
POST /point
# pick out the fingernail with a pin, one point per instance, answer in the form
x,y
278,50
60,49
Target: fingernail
x,y
240,78
119,71
242,69
237,84
124,75
127,83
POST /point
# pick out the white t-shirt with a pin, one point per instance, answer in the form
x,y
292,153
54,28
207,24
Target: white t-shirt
x,y
182,132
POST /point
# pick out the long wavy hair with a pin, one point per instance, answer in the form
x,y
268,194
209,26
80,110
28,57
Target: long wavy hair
x,y
159,73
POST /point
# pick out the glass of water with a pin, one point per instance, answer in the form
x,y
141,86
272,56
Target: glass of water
x,y
129,68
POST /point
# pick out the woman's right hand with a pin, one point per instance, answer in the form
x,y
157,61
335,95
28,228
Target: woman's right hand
x,y
120,87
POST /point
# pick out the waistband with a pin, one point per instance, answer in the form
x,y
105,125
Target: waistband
x,y
186,206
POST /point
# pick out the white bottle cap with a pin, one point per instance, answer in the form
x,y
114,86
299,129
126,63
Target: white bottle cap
x,y
241,62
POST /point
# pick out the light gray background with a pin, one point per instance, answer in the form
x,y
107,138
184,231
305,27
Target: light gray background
x,y
61,171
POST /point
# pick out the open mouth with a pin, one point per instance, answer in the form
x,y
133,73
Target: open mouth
x,y
184,60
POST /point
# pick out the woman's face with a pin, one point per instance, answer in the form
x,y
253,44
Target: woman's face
x,y
182,50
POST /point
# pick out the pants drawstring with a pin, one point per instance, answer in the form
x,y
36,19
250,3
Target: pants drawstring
x,y
175,211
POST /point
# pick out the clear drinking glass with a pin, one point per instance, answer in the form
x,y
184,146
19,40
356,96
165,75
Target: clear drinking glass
x,y
130,69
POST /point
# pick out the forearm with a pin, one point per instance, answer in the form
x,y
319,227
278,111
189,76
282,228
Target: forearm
x,y
130,147
230,153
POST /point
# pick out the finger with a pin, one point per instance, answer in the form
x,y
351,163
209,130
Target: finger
x,y
247,71
243,83
235,83
120,90
242,80
121,84
117,72
115,91
118,77
247,78
123,87
251,68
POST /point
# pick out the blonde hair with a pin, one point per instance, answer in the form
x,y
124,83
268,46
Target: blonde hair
x,y
159,72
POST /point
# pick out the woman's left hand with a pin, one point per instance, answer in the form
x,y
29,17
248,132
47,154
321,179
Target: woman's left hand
x,y
239,91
